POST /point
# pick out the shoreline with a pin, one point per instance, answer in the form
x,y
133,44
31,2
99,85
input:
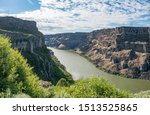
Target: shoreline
x,y
99,68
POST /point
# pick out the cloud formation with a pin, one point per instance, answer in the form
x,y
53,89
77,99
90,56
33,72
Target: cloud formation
x,y
55,16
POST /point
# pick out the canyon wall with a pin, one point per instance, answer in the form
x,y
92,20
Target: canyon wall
x,y
121,50
25,37
67,40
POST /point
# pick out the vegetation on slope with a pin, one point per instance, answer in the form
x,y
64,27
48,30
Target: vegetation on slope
x,y
143,94
47,66
89,88
26,37
16,76
18,80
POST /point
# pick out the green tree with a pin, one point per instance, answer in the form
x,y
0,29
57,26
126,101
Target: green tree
x,y
15,74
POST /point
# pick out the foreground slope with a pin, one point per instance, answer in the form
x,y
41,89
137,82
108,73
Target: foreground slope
x,y
16,76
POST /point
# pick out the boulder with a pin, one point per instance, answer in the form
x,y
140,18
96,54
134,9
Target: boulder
x,y
61,46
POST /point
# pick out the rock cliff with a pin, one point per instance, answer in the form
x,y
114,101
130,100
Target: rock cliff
x,y
121,50
25,37
67,40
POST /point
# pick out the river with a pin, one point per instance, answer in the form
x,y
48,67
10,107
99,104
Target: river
x,y
80,67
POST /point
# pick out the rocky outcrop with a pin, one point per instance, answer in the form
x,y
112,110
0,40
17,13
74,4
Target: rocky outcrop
x,y
24,41
30,42
18,25
122,50
136,38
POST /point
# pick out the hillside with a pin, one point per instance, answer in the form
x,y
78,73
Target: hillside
x,y
16,76
25,37
122,50
18,80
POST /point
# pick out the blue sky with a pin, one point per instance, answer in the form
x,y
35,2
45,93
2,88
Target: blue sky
x,y
17,6
57,16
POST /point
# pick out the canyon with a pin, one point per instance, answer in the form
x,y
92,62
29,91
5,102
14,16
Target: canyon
x,y
120,50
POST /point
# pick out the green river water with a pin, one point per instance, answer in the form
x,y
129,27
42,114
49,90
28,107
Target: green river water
x,y
80,67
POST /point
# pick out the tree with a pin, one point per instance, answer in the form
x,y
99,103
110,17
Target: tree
x,y
15,74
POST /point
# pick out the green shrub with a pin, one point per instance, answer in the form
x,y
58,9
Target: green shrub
x,y
21,95
90,88
15,73
143,94
62,82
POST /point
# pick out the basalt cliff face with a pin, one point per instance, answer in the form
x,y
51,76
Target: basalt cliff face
x,y
24,34
25,37
122,50
67,40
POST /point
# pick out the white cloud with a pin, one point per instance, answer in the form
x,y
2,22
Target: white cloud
x,y
57,16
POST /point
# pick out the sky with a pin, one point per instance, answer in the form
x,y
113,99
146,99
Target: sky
x,y
61,16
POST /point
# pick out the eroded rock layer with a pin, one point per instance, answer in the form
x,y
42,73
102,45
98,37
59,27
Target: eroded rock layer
x,y
121,50
25,37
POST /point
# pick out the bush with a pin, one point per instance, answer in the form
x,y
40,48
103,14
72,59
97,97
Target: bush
x,y
21,95
143,94
15,73
62,82
90,88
